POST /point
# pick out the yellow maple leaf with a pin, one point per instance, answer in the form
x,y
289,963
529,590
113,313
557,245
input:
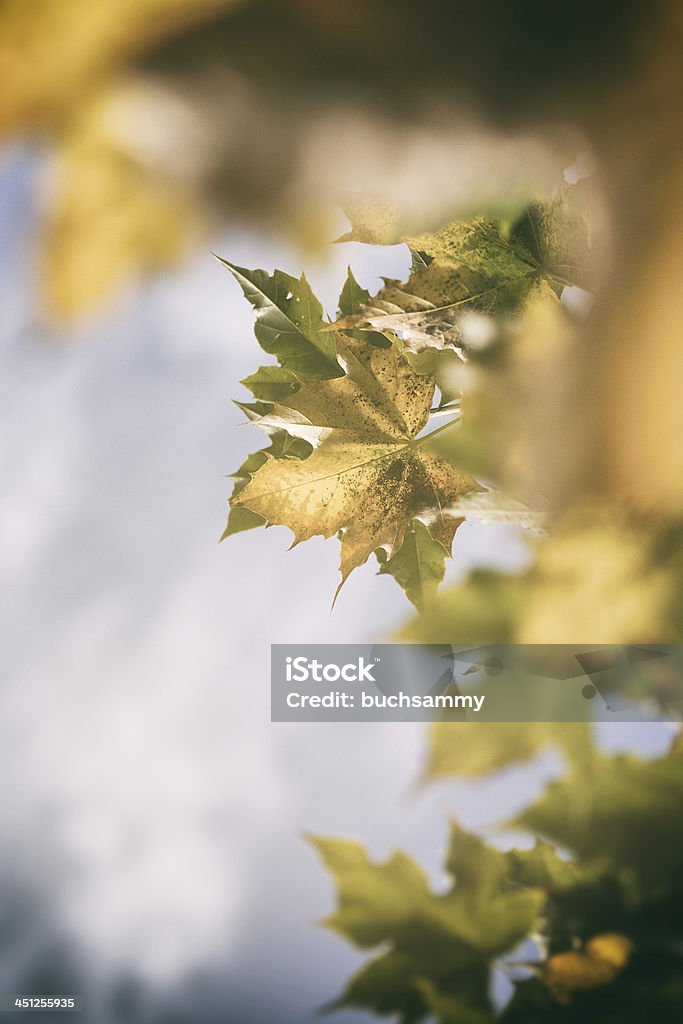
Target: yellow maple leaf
x,y
369,476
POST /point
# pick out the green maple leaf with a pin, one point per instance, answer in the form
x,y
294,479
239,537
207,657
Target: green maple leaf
x,y
270,384
352,302
541,867
368,478
418,565
289,323
621,821
436,946
353,297
625,810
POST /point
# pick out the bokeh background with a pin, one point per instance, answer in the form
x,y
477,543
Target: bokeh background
x,y
153,851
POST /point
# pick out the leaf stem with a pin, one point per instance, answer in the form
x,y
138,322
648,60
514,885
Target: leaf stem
x,y
428,437
443,410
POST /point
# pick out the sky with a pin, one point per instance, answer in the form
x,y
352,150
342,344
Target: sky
x,y
153,852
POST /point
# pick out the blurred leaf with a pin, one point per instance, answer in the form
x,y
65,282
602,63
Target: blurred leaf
x,y
482,609
541,867
434,943
625,809
493,507
597,964
373,220
449,1010
113,217
384,986
473,749
597,577
52,52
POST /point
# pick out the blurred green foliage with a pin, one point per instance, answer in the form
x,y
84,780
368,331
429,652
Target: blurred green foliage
x,y
599,898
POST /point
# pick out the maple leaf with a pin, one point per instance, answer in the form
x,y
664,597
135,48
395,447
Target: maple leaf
x,y
368,477
624,809
437,948
282,446
289,322
477,265
418,565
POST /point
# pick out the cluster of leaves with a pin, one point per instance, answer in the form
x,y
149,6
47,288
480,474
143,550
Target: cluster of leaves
x,y
587,922
347,402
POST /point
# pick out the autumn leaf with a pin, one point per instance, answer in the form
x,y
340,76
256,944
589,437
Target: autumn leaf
x,y
282,446
368,478
478,265
360,390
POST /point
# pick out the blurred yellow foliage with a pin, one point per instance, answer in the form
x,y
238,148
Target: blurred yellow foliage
x,y
598,963
596,580
53,52
113,214
455,749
